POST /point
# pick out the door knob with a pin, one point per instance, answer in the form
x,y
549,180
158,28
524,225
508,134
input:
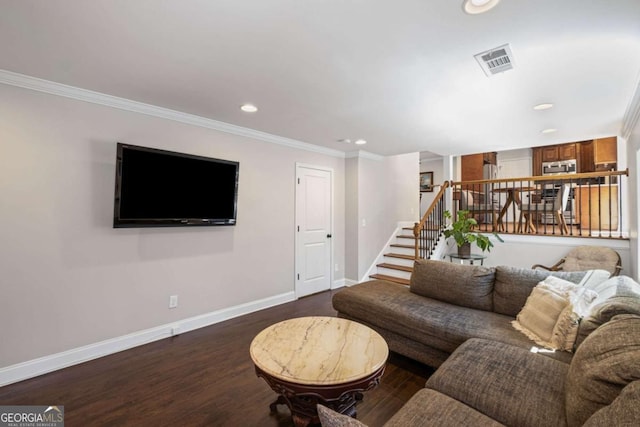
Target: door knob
x,y
328,236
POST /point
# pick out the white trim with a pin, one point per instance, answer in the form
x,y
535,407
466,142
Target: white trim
x,y
618,244
350,282
631,114
363,155
340,283
46,364
59,89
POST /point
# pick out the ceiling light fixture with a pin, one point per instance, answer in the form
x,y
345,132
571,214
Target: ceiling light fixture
x,y
249,108
540,107
475,7
550,130
360,142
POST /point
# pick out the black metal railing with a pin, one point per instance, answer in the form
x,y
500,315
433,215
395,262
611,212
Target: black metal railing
x,y
427,232
579,205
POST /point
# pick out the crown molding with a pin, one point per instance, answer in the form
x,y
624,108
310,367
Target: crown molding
x,y
59,89
631,115
361,154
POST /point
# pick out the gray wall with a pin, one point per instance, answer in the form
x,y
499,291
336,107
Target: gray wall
x,y
382,192
69,279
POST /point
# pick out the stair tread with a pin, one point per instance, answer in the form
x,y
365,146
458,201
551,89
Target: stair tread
x,y
390,279
403,256
395,267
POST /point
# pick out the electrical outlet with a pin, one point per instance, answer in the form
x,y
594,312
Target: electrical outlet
x,y
364,222
173,301
337,268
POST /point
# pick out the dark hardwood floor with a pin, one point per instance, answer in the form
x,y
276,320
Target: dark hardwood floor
x,y
201,378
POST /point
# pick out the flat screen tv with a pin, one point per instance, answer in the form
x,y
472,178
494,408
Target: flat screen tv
x,y
158,188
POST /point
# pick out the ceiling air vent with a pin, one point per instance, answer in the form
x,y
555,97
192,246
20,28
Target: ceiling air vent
x,y
496,60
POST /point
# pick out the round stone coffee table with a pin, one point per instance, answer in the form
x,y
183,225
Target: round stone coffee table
x,y
326,360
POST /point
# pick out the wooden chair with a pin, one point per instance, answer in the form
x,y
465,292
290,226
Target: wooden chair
x,y
529,211
588,258
467,204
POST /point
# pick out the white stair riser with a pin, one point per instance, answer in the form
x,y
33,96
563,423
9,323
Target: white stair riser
x,y
402,251
398,261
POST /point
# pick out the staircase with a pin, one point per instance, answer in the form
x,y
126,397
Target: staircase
x,y
402,251
398,259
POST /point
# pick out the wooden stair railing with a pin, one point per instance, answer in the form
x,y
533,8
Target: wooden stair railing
x,y
427,232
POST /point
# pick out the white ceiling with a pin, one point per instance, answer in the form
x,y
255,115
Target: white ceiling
x,y
400,74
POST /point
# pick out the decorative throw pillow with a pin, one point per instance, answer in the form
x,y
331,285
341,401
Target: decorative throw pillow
x,y
540,313
548,316
330,418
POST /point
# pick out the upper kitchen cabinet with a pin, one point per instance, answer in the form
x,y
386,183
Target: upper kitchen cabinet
x,y
536,156
567,152
591,155
599,154
605,150
473,165
586,162
555,153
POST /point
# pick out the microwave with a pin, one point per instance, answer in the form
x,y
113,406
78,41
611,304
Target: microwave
x,y
560,168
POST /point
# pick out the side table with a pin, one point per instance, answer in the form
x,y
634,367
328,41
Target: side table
x,y
471,258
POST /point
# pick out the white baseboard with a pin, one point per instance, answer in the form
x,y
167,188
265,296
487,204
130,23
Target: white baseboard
x,y
340,283
46,364
350,282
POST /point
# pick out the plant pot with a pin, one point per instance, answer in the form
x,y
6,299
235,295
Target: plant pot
x,y
464,250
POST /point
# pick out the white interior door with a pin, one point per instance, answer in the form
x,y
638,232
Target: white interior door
x,y
313,229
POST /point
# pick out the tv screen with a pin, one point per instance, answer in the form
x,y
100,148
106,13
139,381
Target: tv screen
x,y
158,188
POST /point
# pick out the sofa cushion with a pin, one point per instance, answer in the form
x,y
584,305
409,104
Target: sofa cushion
x,y
513,285
431,408
463,285
428,321
605,311
602,366
509,384
624,411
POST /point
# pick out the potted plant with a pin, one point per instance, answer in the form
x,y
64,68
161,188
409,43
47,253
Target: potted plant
x,y
462,232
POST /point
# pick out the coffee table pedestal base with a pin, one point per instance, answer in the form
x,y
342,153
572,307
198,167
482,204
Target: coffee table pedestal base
x,y
302,399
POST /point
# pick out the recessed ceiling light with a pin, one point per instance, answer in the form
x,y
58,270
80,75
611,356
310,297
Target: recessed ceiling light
x,y
550,130
474,7
360,142
249,108
545,106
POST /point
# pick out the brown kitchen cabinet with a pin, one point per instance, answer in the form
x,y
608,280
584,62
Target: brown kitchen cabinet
x,y
536,157
605,150
555,153
550,153
586,162
598,207
473,164
567,152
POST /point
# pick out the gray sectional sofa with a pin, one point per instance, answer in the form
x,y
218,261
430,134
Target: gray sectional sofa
x,y
458,318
